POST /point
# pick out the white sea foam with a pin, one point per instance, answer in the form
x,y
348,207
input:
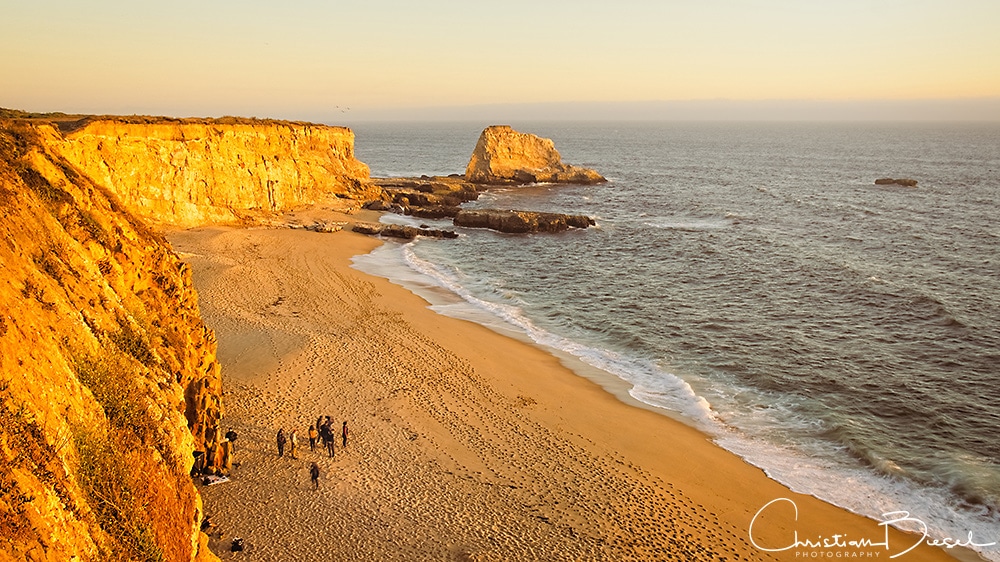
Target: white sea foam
x,y
650,384
678,223
866,493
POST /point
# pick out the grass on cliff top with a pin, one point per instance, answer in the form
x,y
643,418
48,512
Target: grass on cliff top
x,y
64,121
68,123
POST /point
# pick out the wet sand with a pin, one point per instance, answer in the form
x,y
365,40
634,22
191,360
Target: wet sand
x,y
464,444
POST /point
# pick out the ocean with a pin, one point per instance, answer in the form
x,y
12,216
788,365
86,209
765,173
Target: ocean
x,y
752,280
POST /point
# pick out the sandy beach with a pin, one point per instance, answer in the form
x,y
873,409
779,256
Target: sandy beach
x,y
464,444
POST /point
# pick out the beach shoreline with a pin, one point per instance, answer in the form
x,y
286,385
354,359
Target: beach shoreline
x,y
466,444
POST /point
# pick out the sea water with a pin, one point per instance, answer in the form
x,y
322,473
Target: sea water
x,y
750,277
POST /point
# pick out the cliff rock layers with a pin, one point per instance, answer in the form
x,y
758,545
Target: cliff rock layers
x,y
505,156
195,172
108,377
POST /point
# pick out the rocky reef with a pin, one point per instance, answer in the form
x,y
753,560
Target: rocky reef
x,y
520,222
401,231
504,156
436,197
108,377
187,172
426,196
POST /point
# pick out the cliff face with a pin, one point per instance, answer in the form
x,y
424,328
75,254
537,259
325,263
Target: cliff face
x,y
505,156
189,173
108,377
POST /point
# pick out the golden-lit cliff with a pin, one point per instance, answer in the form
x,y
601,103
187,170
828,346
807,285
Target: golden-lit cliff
x,y
186,172
108,377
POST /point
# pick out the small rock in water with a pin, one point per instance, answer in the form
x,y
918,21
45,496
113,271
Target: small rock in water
x,y
890,181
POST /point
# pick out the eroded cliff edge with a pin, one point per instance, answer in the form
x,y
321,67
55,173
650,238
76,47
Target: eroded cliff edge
x,y
186,172
108,377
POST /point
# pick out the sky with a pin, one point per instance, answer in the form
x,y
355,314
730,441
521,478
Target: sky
x,y
330,61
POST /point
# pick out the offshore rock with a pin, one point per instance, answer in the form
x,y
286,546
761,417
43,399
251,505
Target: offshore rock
x,y
520,222
191,172
903,182
504,156
108,377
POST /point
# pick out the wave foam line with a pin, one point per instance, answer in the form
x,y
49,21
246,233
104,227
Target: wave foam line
x,y
651,385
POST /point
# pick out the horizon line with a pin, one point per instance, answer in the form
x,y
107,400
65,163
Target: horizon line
x,y
965,109
977,109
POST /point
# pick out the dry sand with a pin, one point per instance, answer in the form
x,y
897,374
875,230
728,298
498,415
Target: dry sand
x,y
465,444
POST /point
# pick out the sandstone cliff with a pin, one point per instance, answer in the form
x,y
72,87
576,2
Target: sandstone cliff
x,y
505,156
195,172
108,377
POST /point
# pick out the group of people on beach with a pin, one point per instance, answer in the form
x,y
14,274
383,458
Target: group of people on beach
x,y
325,431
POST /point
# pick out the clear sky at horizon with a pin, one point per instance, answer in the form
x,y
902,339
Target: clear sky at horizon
x,y
314,59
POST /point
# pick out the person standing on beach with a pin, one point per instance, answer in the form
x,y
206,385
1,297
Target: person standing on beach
x,y
312,437
330,440
343,433
326,434
281,442
227,456
314,474
294,439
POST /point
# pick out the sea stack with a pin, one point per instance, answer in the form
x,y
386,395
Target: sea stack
x,y
504,156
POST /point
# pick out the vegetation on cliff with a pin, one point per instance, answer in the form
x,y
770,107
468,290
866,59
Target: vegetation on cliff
x,y
108,378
